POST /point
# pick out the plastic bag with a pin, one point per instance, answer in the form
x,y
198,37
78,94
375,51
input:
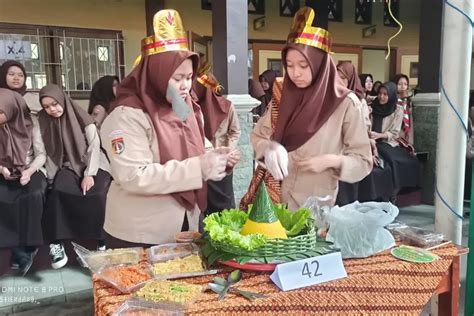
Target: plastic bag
x,y
320,208
358,228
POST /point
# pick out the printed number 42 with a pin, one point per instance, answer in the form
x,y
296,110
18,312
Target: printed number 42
x,y
306,271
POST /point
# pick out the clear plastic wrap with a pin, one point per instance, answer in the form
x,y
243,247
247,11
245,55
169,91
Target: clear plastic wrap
x,y
138,307
95,260
173,293
320,208
178,260
126,278
419,237
166,252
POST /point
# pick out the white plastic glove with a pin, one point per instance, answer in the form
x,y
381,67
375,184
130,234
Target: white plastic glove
x,y
276,161
213,165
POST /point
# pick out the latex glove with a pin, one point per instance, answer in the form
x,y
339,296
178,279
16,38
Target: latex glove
x,y
276,161
213,165
232,159
86,184
26,176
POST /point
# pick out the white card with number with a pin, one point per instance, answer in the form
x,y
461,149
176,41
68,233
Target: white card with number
x,y
307,272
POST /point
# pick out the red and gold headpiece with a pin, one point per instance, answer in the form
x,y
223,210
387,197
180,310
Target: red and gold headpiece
x,y
302,31
208,81
169,34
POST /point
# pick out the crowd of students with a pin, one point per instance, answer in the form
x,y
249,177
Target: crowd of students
x,y
154,153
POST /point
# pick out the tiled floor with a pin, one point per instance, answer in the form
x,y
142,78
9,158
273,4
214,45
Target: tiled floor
x,y
68,291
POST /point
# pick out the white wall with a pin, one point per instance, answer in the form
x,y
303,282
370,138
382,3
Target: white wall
x,y
372,59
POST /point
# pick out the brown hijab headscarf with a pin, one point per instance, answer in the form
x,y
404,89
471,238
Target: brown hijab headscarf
x,y
15,134
145,88
302,112
64,136
215,108
3,75
349,71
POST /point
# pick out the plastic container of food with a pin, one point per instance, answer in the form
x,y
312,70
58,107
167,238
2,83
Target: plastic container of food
x,y
166,252
179,260
95,260
187,236
126,278
138,307
170,292
419,237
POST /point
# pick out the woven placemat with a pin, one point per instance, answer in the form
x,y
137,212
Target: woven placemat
x,y
378,285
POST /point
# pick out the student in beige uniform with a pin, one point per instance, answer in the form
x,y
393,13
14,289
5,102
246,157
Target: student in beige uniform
x,y
154,138
77,170
320,136
22,184
222,128
377,186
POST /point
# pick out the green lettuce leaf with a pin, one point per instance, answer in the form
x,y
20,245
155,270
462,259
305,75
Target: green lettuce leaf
x,y
293,222
225,227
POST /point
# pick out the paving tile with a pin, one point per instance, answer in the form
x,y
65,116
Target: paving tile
x,y
76,279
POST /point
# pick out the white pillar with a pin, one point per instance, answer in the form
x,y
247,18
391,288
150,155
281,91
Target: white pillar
x,y
243,171
451,152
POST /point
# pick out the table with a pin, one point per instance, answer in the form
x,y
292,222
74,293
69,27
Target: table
x,y
377,285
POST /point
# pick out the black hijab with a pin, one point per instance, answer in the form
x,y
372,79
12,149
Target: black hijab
x,y
380,111
102,93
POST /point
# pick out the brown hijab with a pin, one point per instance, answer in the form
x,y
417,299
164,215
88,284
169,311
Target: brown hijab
x,y
349,71
15,134
3,75
145,88
64,136
303,111
215,108
256,91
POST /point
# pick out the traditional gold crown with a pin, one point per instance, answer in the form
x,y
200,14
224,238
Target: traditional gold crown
x,y
207,81
169,34
302,31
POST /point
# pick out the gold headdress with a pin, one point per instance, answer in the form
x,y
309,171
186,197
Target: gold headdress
x,y
302,31
207,81
169,34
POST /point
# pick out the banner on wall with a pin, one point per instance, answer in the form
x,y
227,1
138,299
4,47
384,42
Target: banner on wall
x,y
15,49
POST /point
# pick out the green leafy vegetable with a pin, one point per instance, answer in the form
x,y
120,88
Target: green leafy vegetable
x,y
225,227
293,222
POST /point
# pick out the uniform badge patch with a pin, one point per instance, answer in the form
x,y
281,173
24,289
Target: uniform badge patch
x,y
118,146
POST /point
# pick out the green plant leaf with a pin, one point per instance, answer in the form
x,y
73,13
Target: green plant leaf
x,y
243,259
216,288
225,227
293,222
213,257
220,281
234,277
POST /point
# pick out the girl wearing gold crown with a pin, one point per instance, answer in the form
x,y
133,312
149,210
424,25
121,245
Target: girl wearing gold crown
x,y
154,138
320,135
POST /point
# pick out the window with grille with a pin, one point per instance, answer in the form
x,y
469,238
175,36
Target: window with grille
x,y
71,57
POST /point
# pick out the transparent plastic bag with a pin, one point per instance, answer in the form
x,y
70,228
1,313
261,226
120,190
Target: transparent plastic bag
x,y
320,208
137,307
358,228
